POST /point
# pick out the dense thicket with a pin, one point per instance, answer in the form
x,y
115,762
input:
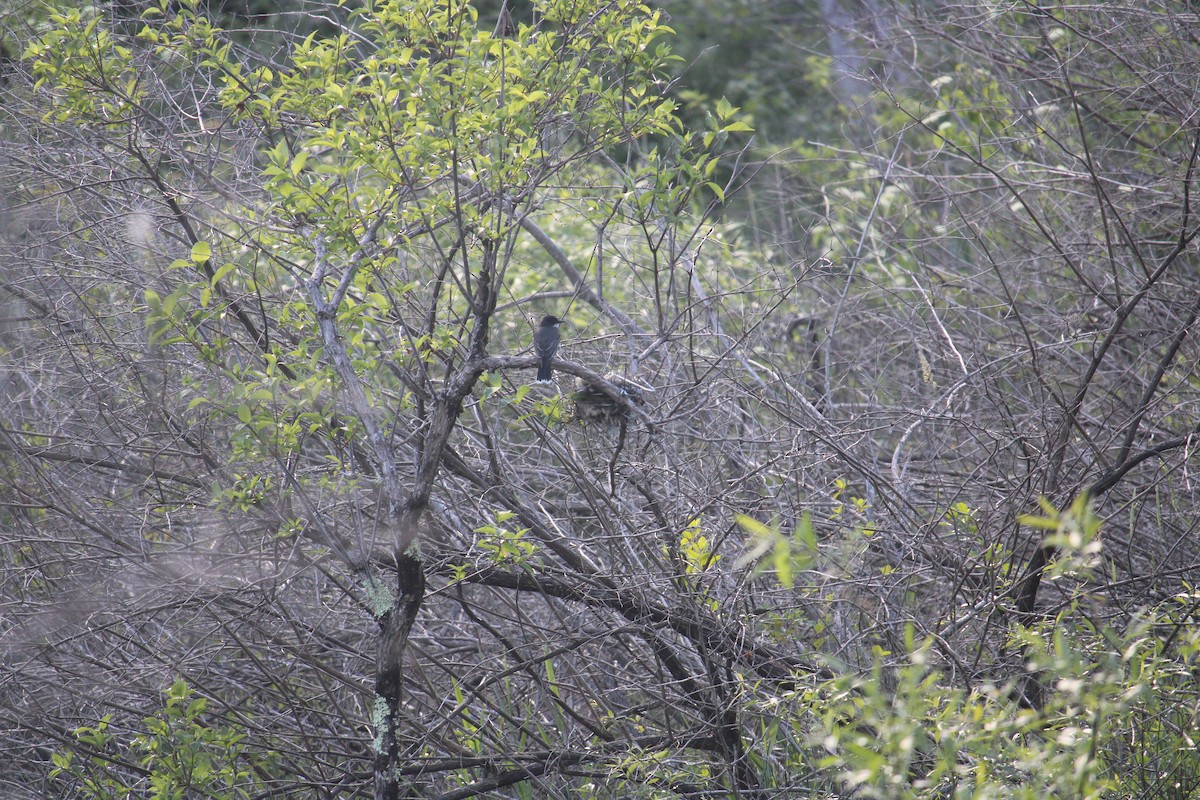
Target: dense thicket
x,y
867,469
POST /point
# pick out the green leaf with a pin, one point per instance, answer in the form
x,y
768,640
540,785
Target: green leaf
x,y
201,252
224,270
781,560
178,690
753,527
804,542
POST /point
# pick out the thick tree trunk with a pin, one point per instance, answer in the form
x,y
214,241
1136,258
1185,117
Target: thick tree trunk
x,y
395,626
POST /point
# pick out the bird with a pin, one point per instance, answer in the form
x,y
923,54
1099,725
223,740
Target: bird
x,y
545,344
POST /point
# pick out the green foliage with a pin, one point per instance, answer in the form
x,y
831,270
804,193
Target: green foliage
x,y
552,410
1073,531
438,105
849,508
905,732
770,549
1151,749
66,60
1117,720
503,546
1117,724
178,753
694,549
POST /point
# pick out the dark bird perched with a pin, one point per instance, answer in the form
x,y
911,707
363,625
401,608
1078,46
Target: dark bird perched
x,y
545,344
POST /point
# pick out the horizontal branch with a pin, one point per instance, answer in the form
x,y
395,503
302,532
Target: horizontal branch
x,y
8,444
592,378
709,633
1114,475
543,762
